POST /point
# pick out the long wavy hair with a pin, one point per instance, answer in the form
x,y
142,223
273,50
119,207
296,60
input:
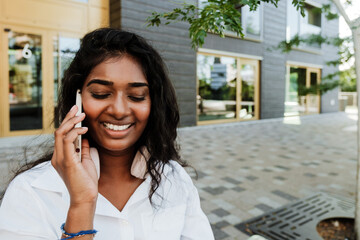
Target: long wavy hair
x,y
160,134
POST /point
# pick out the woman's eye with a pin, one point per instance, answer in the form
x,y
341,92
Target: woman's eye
x,y
99,96
137,99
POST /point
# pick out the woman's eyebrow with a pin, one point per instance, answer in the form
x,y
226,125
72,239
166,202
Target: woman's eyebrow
x,y
138,84
100,81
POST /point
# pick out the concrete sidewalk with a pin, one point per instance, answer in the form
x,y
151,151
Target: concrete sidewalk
x,y
248,168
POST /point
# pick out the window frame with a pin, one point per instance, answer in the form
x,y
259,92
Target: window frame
x,y
241,59
309,68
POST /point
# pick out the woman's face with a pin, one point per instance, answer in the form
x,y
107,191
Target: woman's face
x,y
117,104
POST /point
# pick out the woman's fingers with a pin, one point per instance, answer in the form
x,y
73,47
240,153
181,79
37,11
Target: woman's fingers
x,y
62,131
90,164
85,149
68,144
71,113
66,126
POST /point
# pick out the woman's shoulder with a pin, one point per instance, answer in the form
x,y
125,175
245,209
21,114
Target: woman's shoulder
x,y
175,170
42,176
33,173
177,178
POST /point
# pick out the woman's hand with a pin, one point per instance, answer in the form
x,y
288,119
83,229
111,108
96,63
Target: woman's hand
x,y
79,175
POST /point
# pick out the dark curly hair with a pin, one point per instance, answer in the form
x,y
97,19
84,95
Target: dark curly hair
x,y
160,133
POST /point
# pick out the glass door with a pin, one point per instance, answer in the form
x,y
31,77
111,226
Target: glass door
x,y
313,100
249,85
217,88
298,100
25,81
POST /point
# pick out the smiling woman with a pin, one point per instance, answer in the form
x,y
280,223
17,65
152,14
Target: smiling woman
x,y
117,103
130,116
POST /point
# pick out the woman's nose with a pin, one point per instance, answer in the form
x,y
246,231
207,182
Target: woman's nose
x,y
119,106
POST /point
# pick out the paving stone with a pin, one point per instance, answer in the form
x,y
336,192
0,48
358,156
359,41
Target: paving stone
x,y
220,212
309,175
255,212
215,191
284,195
281,178
222,224
232,219
282,167
251,178
219,234
264,207
231,180
269,202
238,189
270,163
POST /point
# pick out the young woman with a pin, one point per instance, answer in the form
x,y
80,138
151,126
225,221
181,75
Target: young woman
x,y
130,116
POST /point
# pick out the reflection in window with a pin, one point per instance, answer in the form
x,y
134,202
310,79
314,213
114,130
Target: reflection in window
x,y
64,52
303,26
25,81
248,79
297,100
217,87
251,21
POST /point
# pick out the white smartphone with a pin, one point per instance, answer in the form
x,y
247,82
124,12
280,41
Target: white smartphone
x,y
78,125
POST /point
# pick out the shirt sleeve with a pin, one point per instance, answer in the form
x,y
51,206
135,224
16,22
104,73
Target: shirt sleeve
x,y
197,226
21,215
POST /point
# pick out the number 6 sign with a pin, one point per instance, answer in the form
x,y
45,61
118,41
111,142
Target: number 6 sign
x,y
26,52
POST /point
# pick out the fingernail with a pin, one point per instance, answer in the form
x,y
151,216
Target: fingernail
x,y
73,107
84,128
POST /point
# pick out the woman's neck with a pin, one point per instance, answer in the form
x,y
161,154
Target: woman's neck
x,y
116,165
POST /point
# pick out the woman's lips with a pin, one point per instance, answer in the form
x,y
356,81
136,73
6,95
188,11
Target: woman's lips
x,y
115,127
117,131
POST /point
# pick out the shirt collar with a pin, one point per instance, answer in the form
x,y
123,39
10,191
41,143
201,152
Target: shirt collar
x,y
50,180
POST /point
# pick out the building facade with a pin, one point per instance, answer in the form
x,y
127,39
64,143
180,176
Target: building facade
x,y
232,79
37,40
226,80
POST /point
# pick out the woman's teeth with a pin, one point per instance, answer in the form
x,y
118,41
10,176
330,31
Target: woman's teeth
x,y
116,127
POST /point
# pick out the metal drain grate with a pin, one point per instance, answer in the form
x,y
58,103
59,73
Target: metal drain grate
x,y
298,220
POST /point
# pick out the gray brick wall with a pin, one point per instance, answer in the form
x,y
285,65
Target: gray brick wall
x,y
273,67
330,53
173,44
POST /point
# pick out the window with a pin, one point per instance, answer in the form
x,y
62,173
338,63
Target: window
x,y
25,81
251,21
227,88
303,26
297,101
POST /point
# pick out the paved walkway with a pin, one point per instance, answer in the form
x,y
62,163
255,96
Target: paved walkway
x,y
245,169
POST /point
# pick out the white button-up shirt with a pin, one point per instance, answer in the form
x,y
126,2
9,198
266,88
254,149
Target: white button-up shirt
x,y
36,204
